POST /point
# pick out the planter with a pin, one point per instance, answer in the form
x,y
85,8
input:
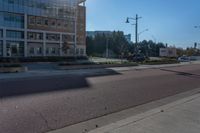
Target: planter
x,y
13,69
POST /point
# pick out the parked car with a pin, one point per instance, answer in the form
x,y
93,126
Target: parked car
x,y
184,59
136,58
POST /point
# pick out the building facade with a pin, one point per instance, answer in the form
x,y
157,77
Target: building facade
x,y
42,28
168,52
107,33
128,37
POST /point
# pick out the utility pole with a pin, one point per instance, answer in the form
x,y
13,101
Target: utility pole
x,y
107,50
136,27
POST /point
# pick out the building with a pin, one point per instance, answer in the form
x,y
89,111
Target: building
x,y
168,52
42,28
128,37
107,33
94,33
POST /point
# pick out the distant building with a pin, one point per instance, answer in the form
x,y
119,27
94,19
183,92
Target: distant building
x,y
107,33
128,37
94,33
168,52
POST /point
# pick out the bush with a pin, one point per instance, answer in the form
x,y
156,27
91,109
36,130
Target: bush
x,y
42,59
75,63
159,62
10,65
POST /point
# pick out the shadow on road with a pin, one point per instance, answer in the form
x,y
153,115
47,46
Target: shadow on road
x,y
191,75
34,85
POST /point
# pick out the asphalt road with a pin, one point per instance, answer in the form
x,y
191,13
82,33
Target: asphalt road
x,y
37,105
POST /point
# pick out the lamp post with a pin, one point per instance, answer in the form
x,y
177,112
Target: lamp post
x,y
141,33
197,27
136,28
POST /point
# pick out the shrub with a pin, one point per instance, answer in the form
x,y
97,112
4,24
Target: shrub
x,y
158,62
10,65
42,59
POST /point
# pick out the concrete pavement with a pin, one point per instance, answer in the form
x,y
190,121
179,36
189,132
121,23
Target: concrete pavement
x,y
182,116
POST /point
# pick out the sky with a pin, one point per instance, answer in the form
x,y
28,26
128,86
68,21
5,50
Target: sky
x,y
168,21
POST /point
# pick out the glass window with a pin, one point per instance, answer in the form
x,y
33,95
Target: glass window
x,y
35,36
53,37
32,50
15,48
14,34
1,33
82,51
31,20
1,48
39,50
39,21
47,50
46,22
53,50
69,38
77,51
13,20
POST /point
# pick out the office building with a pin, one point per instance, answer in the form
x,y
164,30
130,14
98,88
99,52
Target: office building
x,y
42,28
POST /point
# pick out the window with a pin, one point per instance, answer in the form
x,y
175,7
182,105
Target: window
x,y
32,50
77,51
31,20
53,50
13,20
39,21
82,51
15,48
53,37
1,48
35,36
53,23
47,50
69,38
1,33
71,51
46,22
14,34
39,50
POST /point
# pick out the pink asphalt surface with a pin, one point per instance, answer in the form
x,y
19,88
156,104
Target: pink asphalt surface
x,y
37,105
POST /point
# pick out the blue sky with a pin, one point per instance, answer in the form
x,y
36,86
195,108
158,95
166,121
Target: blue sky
x,y
169,21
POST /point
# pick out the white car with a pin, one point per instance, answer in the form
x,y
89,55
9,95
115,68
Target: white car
x,y
184,59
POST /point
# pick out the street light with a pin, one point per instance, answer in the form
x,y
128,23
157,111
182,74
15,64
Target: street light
x,y
136,26
141,33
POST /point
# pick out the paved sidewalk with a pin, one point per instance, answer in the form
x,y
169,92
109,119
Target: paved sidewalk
x,y
182,116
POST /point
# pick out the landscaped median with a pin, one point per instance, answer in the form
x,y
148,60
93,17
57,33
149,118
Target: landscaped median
x,y
12,68
160,62
109,64
92,65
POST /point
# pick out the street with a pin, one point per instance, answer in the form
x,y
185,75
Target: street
x,y
41,104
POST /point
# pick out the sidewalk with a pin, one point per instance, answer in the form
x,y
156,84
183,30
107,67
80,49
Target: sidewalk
x,y
182,116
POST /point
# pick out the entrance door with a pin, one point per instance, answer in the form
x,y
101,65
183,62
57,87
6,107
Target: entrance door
x,y
14,49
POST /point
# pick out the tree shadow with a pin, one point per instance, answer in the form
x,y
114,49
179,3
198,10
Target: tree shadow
x,y
34,85
191,75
